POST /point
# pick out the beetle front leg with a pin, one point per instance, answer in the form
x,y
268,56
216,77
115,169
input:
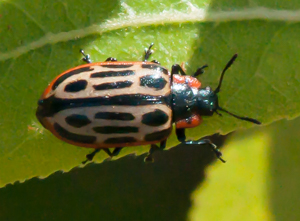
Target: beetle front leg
x,y
176,69
154,147
200,71
180,133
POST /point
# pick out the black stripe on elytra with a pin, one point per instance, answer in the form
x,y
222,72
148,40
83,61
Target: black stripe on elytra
x,y
52,105
76,86
103,74
155,67
72,136
117,65
114,116
69,74
155,118
115,130
77,120
113,85
120,140
153,82
159,135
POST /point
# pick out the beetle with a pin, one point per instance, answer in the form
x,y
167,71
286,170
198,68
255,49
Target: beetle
x,y
122,103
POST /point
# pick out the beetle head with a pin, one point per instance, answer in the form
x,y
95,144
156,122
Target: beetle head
x,y
207,99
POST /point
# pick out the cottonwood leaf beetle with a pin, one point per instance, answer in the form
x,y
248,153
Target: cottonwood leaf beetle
x,y
128,103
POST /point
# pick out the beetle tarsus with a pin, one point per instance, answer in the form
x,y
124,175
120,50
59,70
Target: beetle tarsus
x,y
87,57
217,152
182,138
149,158
90,156
154,147
155,61
200,70
148,52
111,59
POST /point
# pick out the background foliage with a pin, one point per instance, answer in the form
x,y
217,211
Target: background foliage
x,y
41,39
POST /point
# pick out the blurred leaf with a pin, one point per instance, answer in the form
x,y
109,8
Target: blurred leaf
x,y
40,40
260,181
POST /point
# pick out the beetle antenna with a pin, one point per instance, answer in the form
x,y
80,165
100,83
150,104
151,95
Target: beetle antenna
x,y
218,113
239,117
217,90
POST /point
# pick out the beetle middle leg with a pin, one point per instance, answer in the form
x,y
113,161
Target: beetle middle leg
x,y
180,133
111,59
154,147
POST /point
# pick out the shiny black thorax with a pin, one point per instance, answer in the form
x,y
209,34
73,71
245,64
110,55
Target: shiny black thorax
x,y
183,101
188,101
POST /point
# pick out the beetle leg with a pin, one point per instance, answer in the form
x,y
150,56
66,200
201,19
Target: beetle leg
x,y
155,61
154,147
180,133
176,69
200,71
106,150
90,156
87,57
111,59
116,151
149,158
148,52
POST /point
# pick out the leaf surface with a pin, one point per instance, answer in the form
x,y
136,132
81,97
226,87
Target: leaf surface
x,y
41,40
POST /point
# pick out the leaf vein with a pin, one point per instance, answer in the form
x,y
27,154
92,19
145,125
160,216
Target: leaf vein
x,y
163,18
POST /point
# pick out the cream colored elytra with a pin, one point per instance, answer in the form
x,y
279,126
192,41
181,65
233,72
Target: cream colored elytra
x,y
141,89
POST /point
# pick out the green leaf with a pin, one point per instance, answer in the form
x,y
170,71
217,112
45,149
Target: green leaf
x,y
260,180
42,39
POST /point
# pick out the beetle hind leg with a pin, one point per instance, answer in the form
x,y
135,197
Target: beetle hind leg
x,y
154,147
148,52
181,137
86,58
